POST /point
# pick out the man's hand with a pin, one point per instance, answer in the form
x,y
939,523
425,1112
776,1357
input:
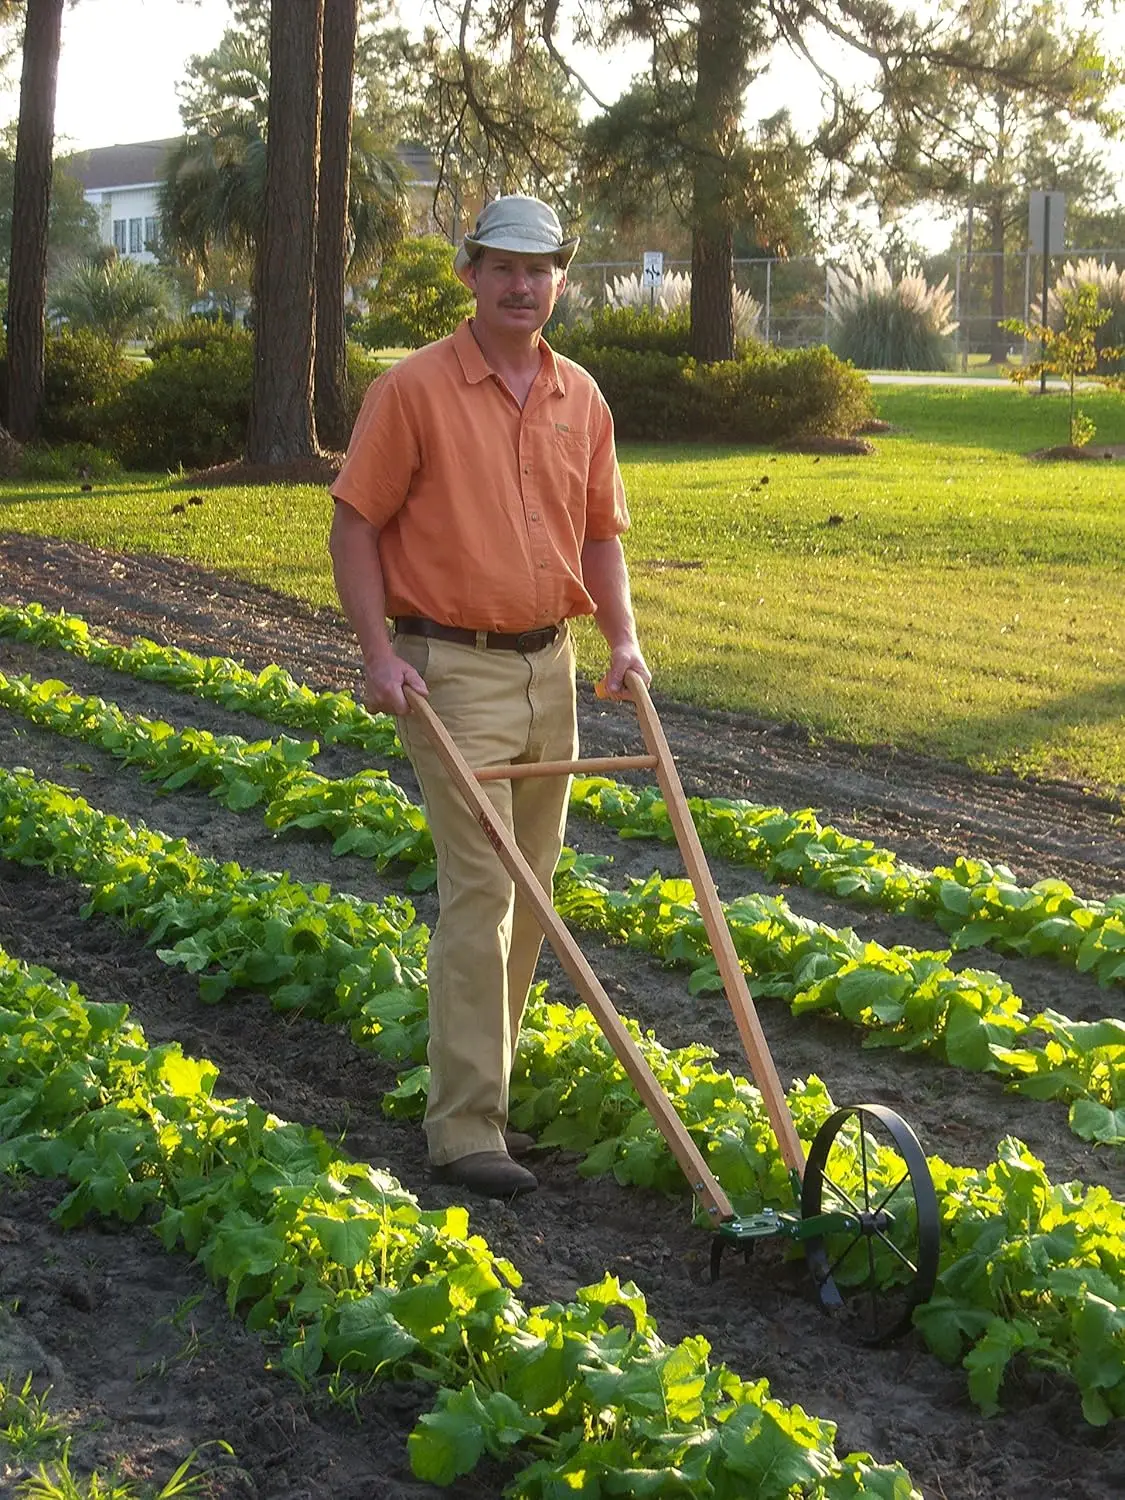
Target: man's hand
x,y
623,659
383,685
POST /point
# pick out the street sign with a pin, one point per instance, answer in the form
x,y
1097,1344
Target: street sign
x,y
653,273
1045,222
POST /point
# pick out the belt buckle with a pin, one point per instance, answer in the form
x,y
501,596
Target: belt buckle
x,y
534,640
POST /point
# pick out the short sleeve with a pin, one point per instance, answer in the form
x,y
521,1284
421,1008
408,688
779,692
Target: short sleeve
x,y
607,514
382,456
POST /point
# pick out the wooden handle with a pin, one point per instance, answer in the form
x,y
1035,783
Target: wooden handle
x,y
522,769
714,920
683,1148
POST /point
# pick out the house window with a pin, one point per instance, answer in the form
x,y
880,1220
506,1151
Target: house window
x,y
152,234
136,242
119,235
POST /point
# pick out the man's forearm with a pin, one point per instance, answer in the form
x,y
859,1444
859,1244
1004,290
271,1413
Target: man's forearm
x,y
354,547
607,582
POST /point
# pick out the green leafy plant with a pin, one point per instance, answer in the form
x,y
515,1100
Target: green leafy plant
x,y
348,1273
1069,350
879,323
417,298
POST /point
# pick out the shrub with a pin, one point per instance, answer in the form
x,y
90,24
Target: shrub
x,y
190,407
770,395
883,324
1109,284
195,333
67,461
766,396
638,330
362,369
417,299
82,374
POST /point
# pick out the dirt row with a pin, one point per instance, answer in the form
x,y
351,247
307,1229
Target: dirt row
x,y
141,1351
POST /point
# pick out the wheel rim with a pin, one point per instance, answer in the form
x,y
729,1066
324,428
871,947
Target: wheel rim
x,y
867,1161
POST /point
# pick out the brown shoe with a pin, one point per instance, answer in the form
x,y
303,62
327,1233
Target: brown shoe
x,y
491,1173
518,1142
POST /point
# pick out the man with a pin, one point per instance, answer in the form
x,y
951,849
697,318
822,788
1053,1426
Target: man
x,y
480,507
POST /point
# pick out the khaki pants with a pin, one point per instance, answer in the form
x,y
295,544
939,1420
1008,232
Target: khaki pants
x,y
498,706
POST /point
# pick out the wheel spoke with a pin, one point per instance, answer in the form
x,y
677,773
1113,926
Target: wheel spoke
x,y
886,1198
863,1160
847,1198
890,1244
846,1251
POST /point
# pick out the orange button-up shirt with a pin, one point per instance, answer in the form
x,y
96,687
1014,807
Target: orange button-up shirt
x,y
482,506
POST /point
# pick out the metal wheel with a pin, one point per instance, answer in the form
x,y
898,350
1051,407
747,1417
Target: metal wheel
x,y
867,1162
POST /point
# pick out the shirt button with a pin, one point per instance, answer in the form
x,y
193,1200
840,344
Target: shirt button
x,y
542,564
527,468
535,515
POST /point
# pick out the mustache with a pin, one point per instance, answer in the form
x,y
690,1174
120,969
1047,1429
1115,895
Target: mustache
x,y
519,302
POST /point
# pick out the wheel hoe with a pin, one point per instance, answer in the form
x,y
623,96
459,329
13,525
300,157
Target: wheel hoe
x,y
864,1207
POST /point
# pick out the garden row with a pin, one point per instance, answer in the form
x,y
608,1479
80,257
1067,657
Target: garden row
x,y
1028,1267
902,997
338,1263
975,903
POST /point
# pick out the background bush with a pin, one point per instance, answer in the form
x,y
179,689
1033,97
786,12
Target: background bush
x,y
69,461
766,396
417,299
362,369
82,376
194,333
638,330
189,407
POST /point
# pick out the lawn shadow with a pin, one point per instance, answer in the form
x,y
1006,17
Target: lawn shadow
x,y
1012,735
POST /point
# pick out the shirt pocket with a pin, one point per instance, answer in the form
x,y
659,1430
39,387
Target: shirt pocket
x,y
570,454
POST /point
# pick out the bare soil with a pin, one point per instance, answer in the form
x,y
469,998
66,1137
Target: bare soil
x,y
142,1353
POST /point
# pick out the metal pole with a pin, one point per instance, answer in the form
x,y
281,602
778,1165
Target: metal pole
x,y
1046,277
769,268
1026,299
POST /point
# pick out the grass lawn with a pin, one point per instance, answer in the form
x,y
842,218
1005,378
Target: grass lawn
x,y
944,595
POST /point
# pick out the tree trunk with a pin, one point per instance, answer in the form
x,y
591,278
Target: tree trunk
x,y
332,235
720,74
282,426
31,203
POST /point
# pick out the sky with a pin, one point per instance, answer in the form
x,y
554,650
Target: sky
x,y
122,59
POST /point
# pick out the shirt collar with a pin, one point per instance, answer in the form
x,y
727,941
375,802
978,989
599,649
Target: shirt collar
x,y
476,368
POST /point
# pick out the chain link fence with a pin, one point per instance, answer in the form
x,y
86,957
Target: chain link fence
x,y
988,287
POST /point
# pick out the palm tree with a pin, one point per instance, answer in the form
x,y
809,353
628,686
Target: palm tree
x,y
215,195
119,299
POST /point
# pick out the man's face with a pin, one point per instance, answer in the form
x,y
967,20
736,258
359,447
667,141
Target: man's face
x,y
515,292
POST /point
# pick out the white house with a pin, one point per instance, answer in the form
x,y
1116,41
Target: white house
x,y
122,183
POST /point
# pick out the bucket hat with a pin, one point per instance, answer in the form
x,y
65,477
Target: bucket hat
x,y
527,226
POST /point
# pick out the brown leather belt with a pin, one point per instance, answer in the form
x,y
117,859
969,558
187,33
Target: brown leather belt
x,y
494,640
